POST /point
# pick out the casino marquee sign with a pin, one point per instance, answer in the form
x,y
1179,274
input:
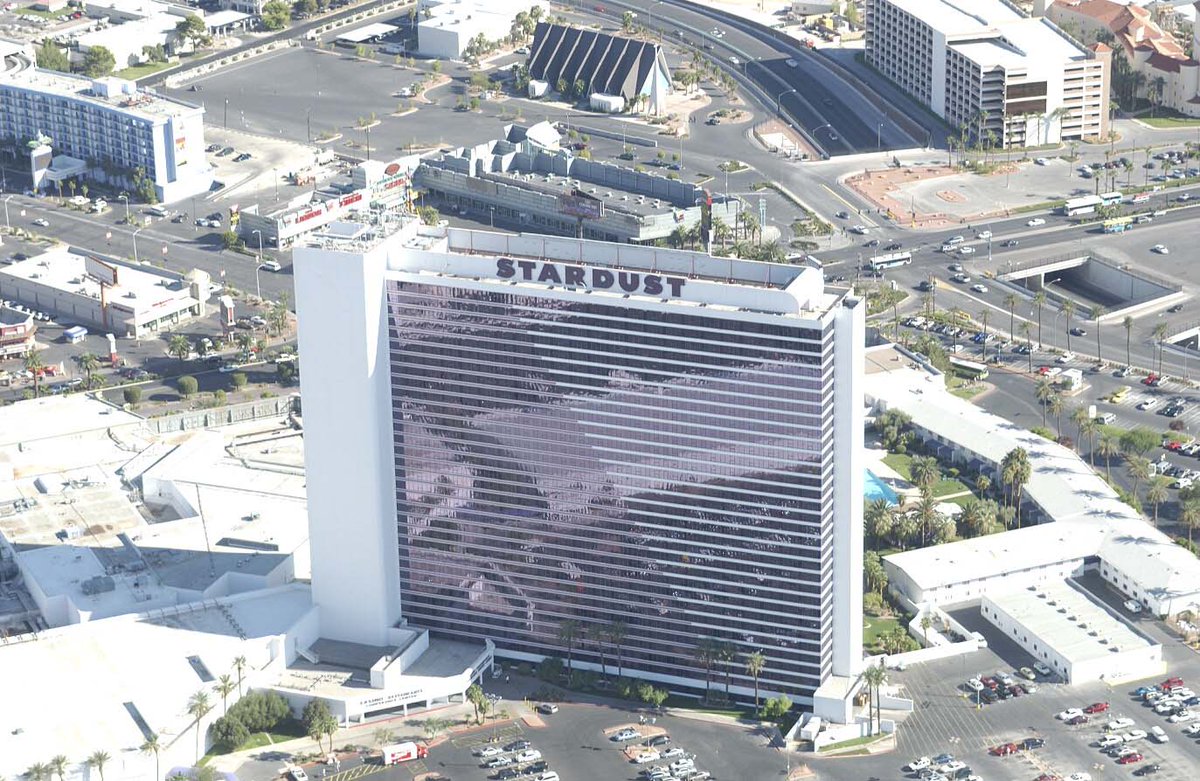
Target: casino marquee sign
x,y
590,278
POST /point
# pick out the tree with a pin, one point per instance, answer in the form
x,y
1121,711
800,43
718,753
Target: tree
x,y
180,347
318,722
926,623
617,632
1039,300
59,766
877,519
34,365
706,654
1128,323
50,57
224,687
1016,471
1189,516
874,676
192,29
976,518
1044,390
187,385
304,8
568,633
152,745
239,664
89,363
727,654
598,635
755,664
1055,405
924,472
98,760
1139,470
238,379
276,15
383,735
1139,441
1109,446
98,61
1157,493
1010,303
1088,428
197,708
228,733
37,771
1068,308
873,571
1160,335
1097,313
478,700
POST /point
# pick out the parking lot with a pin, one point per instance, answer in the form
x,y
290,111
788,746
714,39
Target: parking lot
x,y
946,718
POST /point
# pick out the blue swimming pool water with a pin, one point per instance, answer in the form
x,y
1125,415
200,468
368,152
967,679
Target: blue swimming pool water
x,y
874,488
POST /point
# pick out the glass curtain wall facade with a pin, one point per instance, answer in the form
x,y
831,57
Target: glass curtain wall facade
x,y
666,473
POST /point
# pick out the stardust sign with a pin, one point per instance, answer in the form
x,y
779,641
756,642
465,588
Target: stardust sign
x,y
591,278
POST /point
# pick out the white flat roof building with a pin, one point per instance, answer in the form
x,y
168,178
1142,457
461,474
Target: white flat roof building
x,y
446,27
1077,637
1082,522
66,281
108,121
966,59
620,407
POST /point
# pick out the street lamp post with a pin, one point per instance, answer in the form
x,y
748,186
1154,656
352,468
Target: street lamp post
x,y
125,198
135,252
7,224
258,265
492,215
779,100
879,138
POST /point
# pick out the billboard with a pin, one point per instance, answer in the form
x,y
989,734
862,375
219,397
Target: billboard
x,y
578,204
104,273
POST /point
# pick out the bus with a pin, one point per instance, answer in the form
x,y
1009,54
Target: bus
x,y
1118,225
893,260
1111,199
968,370
1085,205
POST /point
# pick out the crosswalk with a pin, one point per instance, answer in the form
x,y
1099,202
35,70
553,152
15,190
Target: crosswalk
x,y
356,772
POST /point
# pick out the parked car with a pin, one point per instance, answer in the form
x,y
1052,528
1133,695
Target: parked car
x,y
547,708
1029,744
1096,707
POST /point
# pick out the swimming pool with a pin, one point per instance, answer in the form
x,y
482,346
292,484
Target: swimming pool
x,y
874,488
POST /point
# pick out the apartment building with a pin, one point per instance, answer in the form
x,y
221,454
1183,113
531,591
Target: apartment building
x,y
110,123
1001,77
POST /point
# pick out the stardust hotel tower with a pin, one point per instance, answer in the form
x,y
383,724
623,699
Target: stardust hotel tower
x,y
504,433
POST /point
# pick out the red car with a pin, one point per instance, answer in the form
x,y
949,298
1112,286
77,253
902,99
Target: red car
x,y
1096,707
1048,777
1129,759
1173,445
1150,379
1043,370
1004,749
989,682
1077,720
1167,684
1016,690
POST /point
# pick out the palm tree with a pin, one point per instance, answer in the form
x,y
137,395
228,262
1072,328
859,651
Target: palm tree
x,y
1097,313
1015,470
706,654
180,347
1189,516
983,316
924,472
1160,334
34,365
727,654
1026,328
598,634
755,664
239,664
59,766
1055,405
224,688
926,514
1044,390
1089,427
874,676
1011,301
568,633
926,623
982,484
1109,446
152,745
1157,493
1128,323
97,760
617,632
1068,309
89,363
1139,470
38,771
1039,299
197,708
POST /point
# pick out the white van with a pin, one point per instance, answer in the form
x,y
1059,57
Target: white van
x,y
158,211
99,205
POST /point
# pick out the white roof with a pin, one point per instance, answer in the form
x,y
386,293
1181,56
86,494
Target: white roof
x,y
1061,483
366,32
141,289
992,32
50,417
222,18
112,669
1069,622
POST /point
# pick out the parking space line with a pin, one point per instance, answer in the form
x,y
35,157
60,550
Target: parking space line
x,y
356,772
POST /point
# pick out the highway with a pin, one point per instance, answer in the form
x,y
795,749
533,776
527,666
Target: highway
x,y
829,111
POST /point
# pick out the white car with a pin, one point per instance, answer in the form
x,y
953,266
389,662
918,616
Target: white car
x,y
624,735
1109,740
271,265
791,63
983,235
1133,606
1183,717
1069,714
1066,357
1036,221
228,368
1133,735
733,60
917,765
975,685
646,757
1192,730
966,250
298,774
1148,404
1161,249
979,288
671,753
42,222
489,751
1042,161
950,768
531,755
1159,735
1080,777
1120,723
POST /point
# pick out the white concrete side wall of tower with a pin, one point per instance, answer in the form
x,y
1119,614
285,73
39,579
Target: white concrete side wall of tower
x,y
849,341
